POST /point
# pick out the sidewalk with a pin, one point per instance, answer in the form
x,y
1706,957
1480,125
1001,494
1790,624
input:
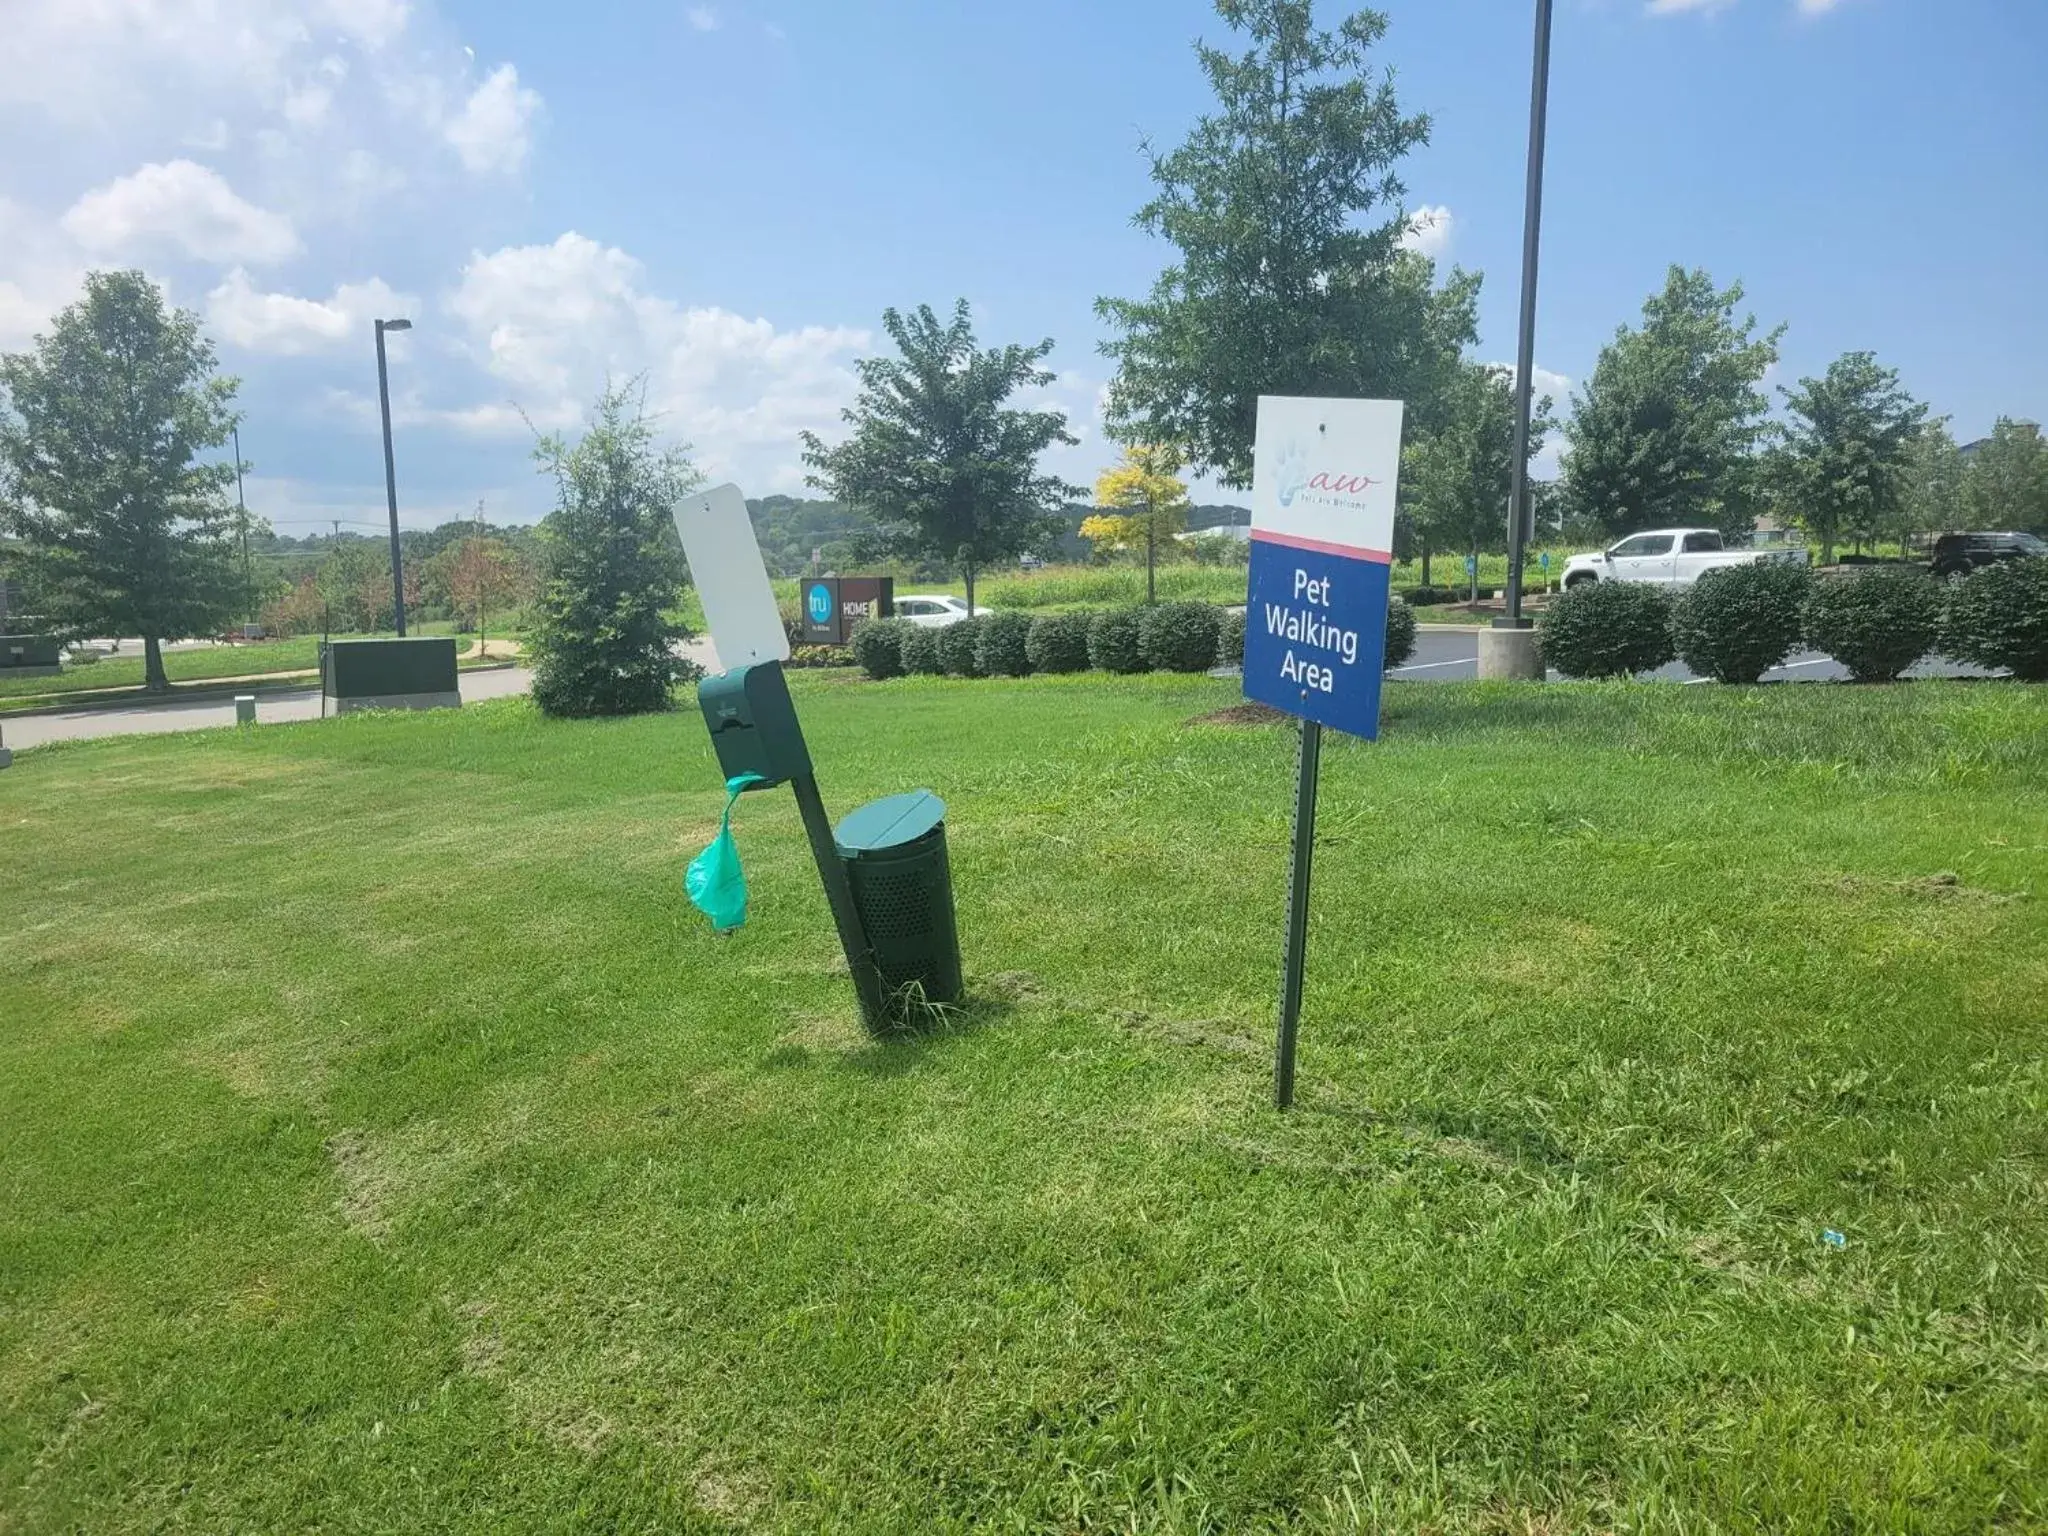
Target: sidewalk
x,y
206,714
276,705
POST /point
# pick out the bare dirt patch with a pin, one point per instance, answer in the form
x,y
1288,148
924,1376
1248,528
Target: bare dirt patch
x,y
1240,714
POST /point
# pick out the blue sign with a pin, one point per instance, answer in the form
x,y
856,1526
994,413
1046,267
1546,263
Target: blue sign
x,y
818,599
1471,565
1315,632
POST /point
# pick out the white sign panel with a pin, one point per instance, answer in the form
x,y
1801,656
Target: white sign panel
x,y
1324,474
725,564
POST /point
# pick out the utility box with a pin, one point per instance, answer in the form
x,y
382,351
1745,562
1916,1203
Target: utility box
x,y
895,856
30,656
390,674
753,724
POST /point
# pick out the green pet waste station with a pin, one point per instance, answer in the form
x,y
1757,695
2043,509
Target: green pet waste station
x,y
884,870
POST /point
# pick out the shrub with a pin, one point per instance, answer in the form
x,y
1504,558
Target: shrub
x,y
605,643
1876,623
1424,597
960,646
1058,642
921,651
1178,637
1230,638
1607,629
818,656
1400,632
1113,641
1735,624
793,628
1003,649
1998,617
878,647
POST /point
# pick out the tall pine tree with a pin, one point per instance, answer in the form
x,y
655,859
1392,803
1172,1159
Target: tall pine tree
x,y
604,643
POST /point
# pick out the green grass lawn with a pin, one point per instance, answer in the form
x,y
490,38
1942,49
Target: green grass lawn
x,y
388,1146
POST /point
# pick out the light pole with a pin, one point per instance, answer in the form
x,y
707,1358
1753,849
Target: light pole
x,y
242,506
1525,351
391,474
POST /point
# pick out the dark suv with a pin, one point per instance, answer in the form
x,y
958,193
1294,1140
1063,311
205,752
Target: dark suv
x,y
1957,554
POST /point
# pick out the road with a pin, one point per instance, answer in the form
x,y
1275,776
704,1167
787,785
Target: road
x,y
204,714
20,731
1447,655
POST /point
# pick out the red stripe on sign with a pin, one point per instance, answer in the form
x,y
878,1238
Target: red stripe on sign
x,y
1323,546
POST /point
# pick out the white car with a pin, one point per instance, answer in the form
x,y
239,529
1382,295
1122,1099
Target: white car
x,y
934,610
1671,557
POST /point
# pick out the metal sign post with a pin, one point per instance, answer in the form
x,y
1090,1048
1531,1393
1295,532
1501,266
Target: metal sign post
x,y
1324,478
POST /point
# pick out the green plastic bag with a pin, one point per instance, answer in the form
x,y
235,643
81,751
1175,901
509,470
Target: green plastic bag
x,y
716,885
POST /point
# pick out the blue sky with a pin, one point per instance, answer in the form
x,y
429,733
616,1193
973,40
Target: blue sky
x,y
725,195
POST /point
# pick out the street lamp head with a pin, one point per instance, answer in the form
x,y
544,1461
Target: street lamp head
x,y
396,325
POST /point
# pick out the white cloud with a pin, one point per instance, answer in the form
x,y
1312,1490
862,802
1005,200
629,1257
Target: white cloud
x,y
493,130
1428,231
1557,386
178,205
240,314
703,18
554,321
109,60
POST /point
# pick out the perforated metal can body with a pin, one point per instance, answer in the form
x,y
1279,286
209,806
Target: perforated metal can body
x,y
895,854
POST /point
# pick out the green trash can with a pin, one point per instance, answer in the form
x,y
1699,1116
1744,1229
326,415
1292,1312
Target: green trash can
x,y
895,856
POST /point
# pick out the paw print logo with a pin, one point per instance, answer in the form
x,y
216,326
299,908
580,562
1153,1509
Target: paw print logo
x,y
1290,474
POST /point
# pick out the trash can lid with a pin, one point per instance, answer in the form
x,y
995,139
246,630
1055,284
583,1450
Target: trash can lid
x,y
889,823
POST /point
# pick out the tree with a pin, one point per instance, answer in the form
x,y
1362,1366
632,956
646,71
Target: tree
x,y
1285,209
604,643
1456,480
1840,462
947,472
1145,485
475,575
2007,483
1932,496
126,531
348,580
1667,429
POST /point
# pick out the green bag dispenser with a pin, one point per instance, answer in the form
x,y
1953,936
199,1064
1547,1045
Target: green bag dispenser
x,y
753,725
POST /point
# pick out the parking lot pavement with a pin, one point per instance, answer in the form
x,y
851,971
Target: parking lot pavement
x,y
1449,656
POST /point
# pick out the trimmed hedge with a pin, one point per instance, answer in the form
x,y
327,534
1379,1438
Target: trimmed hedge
x,y
1178,637
1400,632
921,651
1606,629
1876,623
1737,623
960,646
1113,641
878,647
1230,638
1424,597
1058,642
1998,617
1003,648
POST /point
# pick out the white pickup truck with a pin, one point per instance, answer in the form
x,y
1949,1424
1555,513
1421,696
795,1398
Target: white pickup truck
x,y
1671,557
